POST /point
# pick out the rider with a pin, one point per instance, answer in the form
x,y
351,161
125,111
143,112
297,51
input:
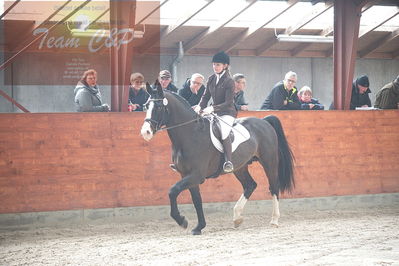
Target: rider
x,y
220,87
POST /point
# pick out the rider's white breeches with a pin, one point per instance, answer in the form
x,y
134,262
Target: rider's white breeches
x,y
225,124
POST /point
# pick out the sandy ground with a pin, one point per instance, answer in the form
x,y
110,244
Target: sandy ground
x,y
349,237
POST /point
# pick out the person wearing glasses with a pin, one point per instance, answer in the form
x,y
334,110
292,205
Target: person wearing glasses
x,y
165,79
193,89
137,94
284,95
239,100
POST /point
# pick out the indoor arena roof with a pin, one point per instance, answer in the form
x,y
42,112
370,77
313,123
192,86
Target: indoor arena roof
x,y
242,27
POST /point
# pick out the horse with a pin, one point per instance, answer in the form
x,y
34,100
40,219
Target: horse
x,y
196,158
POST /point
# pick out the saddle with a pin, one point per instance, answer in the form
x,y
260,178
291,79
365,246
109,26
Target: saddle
x,y
238,134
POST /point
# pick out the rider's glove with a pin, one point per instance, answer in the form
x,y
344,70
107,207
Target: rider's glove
x,y
197,109
208,110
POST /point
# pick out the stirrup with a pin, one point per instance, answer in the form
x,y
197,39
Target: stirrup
x,y
173,166
228,167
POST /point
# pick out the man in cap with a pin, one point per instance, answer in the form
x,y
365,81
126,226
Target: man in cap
x,y
388,96
165,79
220,87
360,93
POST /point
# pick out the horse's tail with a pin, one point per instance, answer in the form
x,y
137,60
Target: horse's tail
x,y
286,157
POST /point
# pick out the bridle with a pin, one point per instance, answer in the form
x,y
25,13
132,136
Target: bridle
x,y
158,124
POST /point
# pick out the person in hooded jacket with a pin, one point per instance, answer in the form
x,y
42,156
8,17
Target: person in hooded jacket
x,y
360,93
193,89
220,87
388,96
88,95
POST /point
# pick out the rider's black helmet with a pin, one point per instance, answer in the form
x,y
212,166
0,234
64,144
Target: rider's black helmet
x,y
221,57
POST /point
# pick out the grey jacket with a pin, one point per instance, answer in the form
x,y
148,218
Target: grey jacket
x,y
88,99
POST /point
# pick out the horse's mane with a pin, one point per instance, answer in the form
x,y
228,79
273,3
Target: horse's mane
x,y
181,100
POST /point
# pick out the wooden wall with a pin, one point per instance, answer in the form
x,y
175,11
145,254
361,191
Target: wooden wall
x,y
98,160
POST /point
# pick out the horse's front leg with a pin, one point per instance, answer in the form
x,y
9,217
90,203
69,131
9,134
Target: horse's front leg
x,y
197,201
185,183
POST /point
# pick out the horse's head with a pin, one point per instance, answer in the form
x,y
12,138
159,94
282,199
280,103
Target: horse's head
x,y
157,112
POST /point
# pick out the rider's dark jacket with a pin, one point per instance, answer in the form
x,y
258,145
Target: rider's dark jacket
x,y
275,100
222,95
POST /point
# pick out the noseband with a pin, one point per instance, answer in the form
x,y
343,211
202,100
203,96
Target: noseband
x,y
158,125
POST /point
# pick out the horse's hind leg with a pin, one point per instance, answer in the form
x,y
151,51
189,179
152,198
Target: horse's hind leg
x,y
197,201
249,185
271,169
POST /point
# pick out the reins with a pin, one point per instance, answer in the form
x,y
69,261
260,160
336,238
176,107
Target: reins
x,y
179,125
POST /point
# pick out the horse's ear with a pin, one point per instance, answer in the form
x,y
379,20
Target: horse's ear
x,y
149,88
158,87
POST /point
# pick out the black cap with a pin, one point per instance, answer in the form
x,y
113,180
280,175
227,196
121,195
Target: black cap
x,y
221,57
363,81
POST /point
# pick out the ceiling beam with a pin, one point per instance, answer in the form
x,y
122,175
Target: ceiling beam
x,y
266,46
252,29
299,48
315,12
330,29
184,18
38,37
9,8
386,18
153,11
374,45
29,36
395,54
203,35
170,29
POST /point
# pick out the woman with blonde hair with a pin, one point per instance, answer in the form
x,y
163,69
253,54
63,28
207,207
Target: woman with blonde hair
x,y
137,94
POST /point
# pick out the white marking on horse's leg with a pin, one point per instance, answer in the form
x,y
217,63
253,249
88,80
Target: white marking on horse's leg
x,y
276,211
238,210
146,131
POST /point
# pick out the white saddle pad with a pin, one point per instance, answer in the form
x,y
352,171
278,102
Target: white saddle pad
x,y
241,134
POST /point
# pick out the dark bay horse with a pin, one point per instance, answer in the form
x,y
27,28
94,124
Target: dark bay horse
x,y
196,158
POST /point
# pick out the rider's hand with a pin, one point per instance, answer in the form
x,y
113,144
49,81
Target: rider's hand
x,y
208,110
197,108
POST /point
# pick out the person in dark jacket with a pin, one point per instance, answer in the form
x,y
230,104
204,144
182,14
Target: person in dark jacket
x,y
388,96
220,87
165,79
360,93
239,100
306,100
284,95
193,89
137,94
88,95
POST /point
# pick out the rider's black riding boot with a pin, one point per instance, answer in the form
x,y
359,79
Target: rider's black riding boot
x,y
228,165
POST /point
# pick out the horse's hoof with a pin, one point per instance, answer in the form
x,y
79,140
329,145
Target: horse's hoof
x,y
196,232
274,224
184,224
238,222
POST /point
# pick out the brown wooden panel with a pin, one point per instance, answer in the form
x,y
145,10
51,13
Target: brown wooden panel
x,y
75,160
